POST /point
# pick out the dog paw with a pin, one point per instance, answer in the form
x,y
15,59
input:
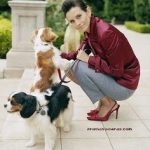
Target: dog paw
x,y
30,144
67,64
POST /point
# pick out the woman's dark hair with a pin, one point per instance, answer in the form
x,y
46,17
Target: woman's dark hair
x,y
68,4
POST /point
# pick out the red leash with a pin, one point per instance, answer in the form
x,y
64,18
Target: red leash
x,y
62,80
60,77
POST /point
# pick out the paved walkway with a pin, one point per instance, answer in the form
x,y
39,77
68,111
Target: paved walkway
x,y
130,131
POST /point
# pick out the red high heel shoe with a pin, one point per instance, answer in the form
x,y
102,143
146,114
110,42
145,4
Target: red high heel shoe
x,y
92,112
106,117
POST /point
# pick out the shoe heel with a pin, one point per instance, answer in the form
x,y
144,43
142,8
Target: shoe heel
x,y
117,109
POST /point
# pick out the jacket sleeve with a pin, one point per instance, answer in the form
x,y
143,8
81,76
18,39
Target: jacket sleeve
x,y
73,55
112,64
69,56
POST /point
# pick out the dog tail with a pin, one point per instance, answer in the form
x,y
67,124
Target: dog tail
x,y
55,86
58,87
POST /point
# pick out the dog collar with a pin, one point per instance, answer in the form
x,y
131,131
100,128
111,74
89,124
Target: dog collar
x,y
40,108
42,46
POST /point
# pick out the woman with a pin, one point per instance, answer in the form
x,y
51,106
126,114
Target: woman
x,y
111,72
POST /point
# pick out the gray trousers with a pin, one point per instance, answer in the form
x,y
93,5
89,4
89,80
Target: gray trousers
x,y
98,85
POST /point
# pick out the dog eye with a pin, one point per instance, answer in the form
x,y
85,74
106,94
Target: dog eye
x,y
13,103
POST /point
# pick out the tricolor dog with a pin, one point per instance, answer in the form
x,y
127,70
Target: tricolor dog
x,y
44,112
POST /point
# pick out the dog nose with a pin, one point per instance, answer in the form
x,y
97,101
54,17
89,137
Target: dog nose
x,y
5,105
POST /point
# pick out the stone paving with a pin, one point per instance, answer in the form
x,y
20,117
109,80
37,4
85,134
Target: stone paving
x,y
131,129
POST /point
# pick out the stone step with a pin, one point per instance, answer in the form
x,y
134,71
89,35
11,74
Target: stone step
x,y
26,80
2,66
145,78
6,72
12,72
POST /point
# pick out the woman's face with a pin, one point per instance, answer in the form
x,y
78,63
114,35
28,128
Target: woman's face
x,y
79,19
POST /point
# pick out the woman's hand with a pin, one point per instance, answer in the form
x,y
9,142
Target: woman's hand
x,y
83,56
63,55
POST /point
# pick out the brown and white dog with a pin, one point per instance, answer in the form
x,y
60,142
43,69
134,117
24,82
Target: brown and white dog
x,y
48,59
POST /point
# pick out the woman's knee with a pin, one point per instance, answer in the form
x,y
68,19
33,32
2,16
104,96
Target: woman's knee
x,y
123,95
71,75
80,69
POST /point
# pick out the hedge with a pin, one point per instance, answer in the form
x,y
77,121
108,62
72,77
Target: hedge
x,y
142,28
5,37
4,8
4,3
142,11
119,10
60,39
97,7
54,17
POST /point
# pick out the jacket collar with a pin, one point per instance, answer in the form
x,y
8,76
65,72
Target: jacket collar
x,y
92,33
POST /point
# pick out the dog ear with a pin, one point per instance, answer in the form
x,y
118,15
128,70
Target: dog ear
x,y
34,34
29,107
20,97
49,35
54,110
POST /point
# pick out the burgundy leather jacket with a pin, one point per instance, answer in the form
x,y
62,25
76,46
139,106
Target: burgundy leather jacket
x,y
113,54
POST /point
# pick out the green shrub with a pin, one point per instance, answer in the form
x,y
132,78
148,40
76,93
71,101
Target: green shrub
x,y
142,28
6,14
4,3
142,11
1,17
4,9
119,10
60,39
54,17
5,37
97,7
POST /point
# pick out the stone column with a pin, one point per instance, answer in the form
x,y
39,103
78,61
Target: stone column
x,y
26,17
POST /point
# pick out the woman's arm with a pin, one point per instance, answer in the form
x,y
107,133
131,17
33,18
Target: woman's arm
x,y
113,64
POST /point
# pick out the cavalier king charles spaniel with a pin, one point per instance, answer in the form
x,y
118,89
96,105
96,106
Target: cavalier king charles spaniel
x,y
48,59
44,112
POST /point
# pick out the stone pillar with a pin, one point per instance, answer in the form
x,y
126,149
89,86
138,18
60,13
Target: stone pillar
x,y
26,17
